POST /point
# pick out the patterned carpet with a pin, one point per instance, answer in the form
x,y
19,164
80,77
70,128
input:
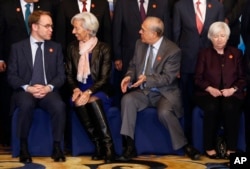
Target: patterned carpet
x,y
142,162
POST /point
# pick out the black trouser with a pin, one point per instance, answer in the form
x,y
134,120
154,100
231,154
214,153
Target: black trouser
x,y
217,111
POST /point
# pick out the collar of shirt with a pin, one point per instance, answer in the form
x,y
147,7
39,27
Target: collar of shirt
x,y
88,5
23,3
203,4
145,4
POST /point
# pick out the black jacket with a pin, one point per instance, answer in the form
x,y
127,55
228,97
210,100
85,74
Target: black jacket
x,y
100,67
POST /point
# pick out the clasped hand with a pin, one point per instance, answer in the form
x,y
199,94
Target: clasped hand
x,y
224,92
125,84
38,91
80,98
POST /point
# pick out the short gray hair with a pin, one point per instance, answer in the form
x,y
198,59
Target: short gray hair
x,y
156,26
89,22
216,27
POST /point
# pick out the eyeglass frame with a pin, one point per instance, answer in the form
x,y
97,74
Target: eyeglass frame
x,y
46,26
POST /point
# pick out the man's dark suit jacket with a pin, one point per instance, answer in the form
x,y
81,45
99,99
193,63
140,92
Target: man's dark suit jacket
x,y
233,10
185,32
209,71
69,8
127,24
12,24
21,65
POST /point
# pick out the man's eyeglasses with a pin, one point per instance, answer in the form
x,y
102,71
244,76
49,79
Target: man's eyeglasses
x,y
46,26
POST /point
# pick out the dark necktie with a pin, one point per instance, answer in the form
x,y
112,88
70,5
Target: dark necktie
x,y
148,70
142,10
27,14
38,71
84,9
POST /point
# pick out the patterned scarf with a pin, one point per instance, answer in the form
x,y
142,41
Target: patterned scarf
x,y
83,66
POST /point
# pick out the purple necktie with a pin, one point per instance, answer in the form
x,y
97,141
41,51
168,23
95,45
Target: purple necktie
x,y
142,10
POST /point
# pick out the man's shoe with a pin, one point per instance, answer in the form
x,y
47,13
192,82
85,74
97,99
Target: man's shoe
x,y
58,155
192,152
128,154
25,156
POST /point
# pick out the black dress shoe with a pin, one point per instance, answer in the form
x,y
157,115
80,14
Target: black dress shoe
x,y
192,152
58,155
128,154
25,156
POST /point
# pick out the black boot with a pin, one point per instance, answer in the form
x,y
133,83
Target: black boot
x,y
24,156
57,154
130,150
101,120
86,119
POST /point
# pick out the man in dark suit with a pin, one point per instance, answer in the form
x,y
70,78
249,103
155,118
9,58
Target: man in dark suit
x,y
68,8
233,10
153,74
245,32
31,92
190,40
13,29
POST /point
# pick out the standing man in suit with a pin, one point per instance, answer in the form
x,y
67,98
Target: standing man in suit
x,y
33,90
190,39
233,10
13,28
245,32
153,74
68,8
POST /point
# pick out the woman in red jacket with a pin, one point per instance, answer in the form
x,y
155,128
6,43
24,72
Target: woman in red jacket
x,y
220,82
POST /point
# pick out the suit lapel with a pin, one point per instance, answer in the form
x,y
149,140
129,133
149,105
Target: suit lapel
x,y
133,4
19,14
152,5
160,53
191,12
37,6
48,54
209,10
27,53
143,56
74,6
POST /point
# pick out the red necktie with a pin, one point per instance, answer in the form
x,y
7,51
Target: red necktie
x,y
84,9
198,16
142,10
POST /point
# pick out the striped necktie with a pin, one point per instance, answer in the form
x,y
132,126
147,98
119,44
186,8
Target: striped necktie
x,y
199,22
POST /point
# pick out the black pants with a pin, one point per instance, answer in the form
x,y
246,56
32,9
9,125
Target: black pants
x,y
220,110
